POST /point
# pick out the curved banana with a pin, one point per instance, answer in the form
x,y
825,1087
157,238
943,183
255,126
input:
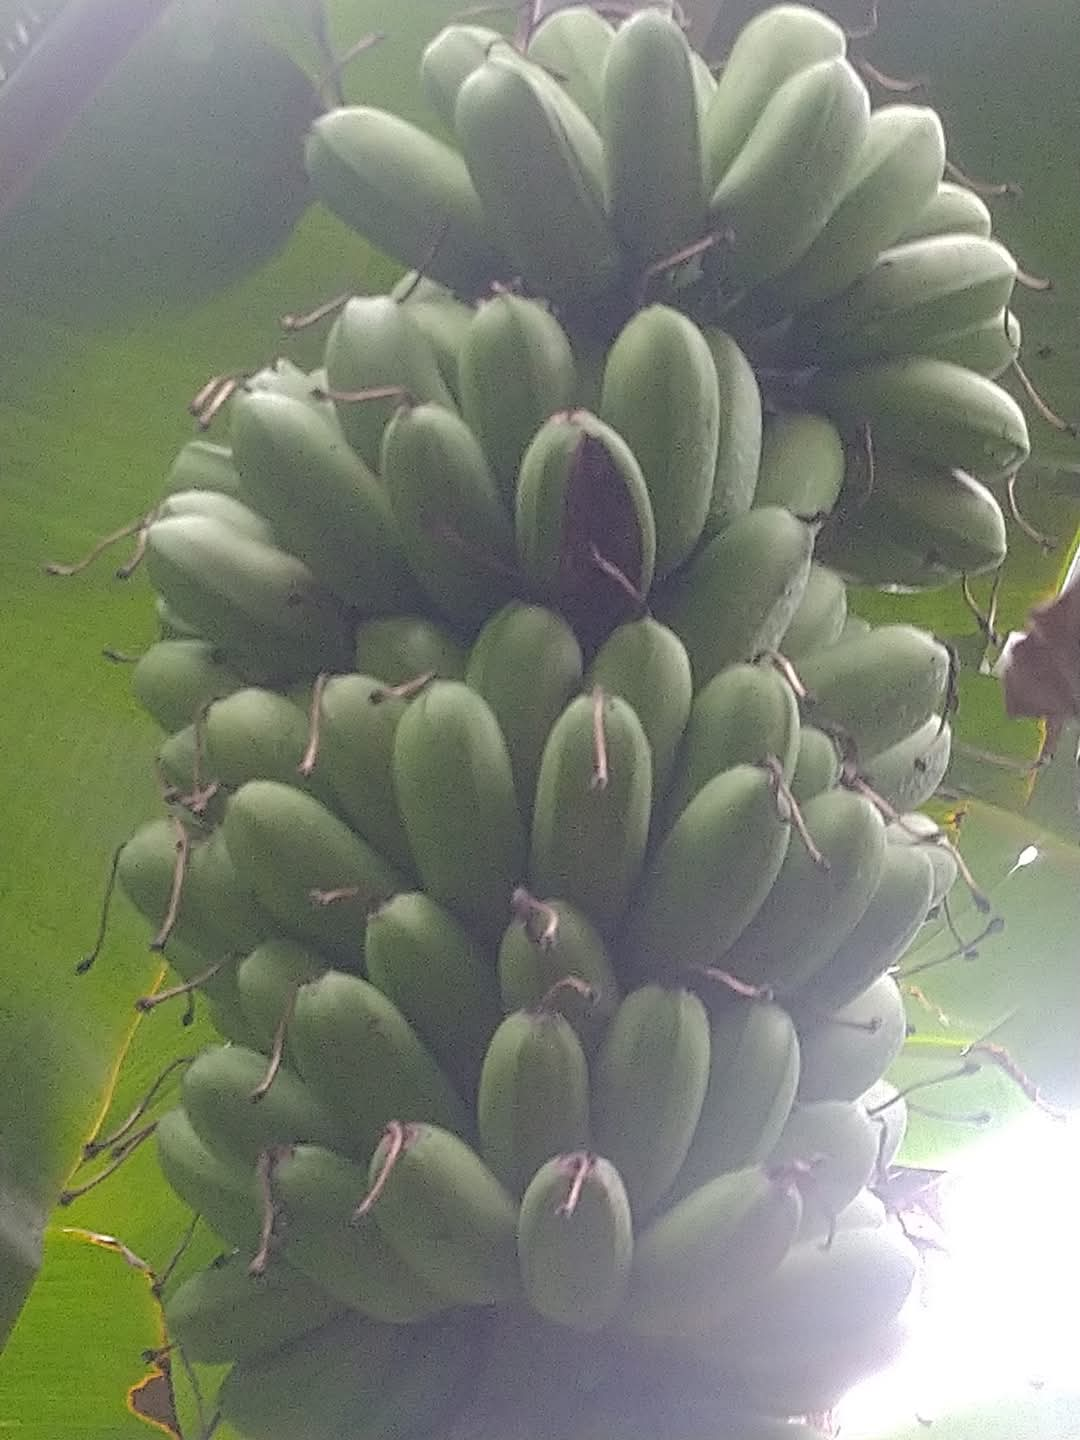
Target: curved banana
x,y
448,60
951,210
572,44
915,828
990,348
819,620
256,734
203,465
442,318
738,452
222,1191
845,1051
230,510
402,648
817,764
802,463
908,773
265,981
837,1141
174,679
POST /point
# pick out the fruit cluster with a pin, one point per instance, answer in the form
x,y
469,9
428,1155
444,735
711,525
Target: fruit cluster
x,y
541,827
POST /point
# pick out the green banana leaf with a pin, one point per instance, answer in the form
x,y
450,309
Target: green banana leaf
x,y
158,245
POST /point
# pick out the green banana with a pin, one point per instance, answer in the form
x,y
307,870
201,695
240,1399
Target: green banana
x,y
448,60
951,210
647,665
838,1142
912,292
738,452
652,139
876,688
754,1069
444,1212
915,828
173,679
357,720
532,1101
782,186
660,392
361,1057
575,1241
376,344
573,44
649,1081
251,599
219,990
586,534
907,774
843,1052
865,1212
282,377
237,1119
324,503
265,982
224,1313
537,163
990,348
439,978
192,795
317,1192
817,764
773,46
202,465
516,367
256,734
698,1260
753,574
548,941
406,192
708,877
744,714
934,411
590,821
223,1192
455,789
820,617
811,909
527,664
286,847
896,912
895,176
887,1108
802,463
442,318
230,510
456,533
402,648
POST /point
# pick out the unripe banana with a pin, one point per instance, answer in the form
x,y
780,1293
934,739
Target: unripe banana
x,y
306,867
647,665
792,172
282,377
405,192
590,819
652,139
699,1260
845,1051
896,912
527,664
888,1109
838,1143
438,977
576,1241
537,163
742,715
442,318
255,601
802,463
753,574
769,49
317,1192
256,734
170,625
449,59
753,1075
218,989
572,44
951,210
907,774
516,368
375,344
445,1214
708,877
990,348
649,1082
193,795
230,510
202,465
402,648
586,534
660,392
877,688
820,617
455,789
225,1193
915,828
865,1212
265,982
175,678
816,900
324,503
934,411
223,1313
895,176
548,941
817,764
738,451
455,531
533,1096
360,1055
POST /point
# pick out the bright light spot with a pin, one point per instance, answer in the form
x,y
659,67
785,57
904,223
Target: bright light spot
x,y
999,1312
1027,856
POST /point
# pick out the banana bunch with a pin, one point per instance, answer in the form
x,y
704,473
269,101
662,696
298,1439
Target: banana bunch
x,y
538,826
